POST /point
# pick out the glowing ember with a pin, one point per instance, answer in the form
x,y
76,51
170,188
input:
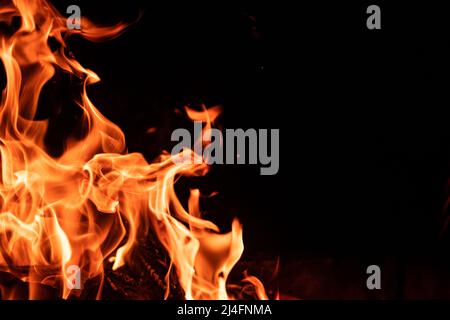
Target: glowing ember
x,y
91,203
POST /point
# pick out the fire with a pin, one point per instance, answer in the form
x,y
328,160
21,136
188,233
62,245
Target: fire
x,y
90,204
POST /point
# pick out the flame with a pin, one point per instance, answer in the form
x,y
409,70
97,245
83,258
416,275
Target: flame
x,y
90,204
259,287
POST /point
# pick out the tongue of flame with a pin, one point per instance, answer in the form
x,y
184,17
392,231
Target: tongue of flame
x,y
92,202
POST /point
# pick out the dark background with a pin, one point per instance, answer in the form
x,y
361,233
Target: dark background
x,y
362,117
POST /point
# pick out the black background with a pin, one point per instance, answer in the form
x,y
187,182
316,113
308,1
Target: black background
x,y
362,115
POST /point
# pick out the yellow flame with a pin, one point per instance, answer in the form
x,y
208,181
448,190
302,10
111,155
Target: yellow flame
x,y
90,204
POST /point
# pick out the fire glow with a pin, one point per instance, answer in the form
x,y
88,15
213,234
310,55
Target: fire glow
x,y
90,204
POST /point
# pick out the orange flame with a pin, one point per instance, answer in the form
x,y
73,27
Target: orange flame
x,y
91,203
